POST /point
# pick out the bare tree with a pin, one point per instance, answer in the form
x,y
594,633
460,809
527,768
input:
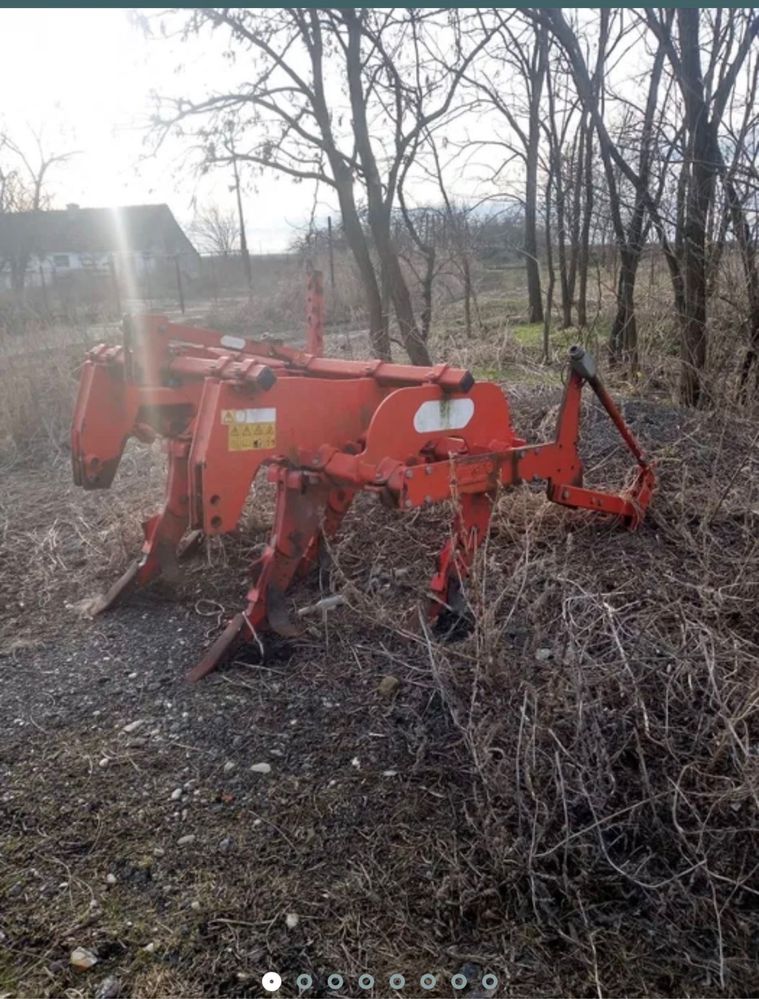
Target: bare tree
x,y
216,231
23,187
33,170
588,198
705,97
361,100
396,68
623,342
13,194
557,126
523,48
459,228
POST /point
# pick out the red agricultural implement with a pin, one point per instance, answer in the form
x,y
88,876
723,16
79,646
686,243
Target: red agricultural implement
x,y
325,428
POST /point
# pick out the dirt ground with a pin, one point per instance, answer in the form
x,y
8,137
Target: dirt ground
x,y
566,798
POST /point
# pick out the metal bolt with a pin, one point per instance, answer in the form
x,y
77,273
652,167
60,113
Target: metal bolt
x,y
565,494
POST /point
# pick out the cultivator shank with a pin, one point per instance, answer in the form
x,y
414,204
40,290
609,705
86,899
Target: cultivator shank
x,y
325,428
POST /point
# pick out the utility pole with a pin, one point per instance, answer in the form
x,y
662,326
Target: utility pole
x,y
115,283
331,254
180,289
243,238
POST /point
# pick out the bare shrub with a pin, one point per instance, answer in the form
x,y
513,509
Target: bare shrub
x,y
602,714
39,373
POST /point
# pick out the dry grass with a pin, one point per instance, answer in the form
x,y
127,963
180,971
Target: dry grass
x,y
277,303
581,774
39,372
607,707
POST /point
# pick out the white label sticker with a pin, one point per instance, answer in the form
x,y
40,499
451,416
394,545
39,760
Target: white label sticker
x,y
265,415
233,342
443,414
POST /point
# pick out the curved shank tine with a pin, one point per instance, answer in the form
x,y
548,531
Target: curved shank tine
x,y
190,546
337,505
470,528
163,533
227,641
297,526
115,593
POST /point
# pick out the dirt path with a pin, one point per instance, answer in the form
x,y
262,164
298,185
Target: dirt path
x,y
135,821
113,768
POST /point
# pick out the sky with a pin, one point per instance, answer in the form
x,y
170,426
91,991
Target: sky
x,y
83,78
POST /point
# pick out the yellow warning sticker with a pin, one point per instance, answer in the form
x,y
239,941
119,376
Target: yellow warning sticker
x,y
250,429
251,436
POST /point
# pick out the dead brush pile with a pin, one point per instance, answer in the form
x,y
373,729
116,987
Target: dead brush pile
x,y
604,714
39,373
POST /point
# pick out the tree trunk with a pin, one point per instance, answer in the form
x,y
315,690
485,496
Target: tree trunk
x,y
379,201
534,291
747,248
587,216
343,178
623,339
556,168
566,298
399,293
551,274
356,240
18,273
624,327
578,171
427,281
623,342
244,252
467,271
699,197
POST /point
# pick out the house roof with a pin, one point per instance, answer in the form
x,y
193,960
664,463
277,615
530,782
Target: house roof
x,y
133,228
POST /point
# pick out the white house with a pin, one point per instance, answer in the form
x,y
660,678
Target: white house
x,y
129,242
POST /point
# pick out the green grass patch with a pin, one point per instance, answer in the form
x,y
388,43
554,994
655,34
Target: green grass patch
x,y
528,334
523,374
